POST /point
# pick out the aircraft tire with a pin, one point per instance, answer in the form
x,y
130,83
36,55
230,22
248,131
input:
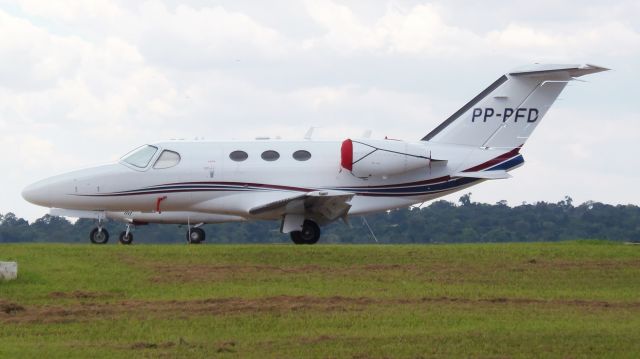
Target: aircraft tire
x,y
310,233
295,237
124,239
196,236
99,237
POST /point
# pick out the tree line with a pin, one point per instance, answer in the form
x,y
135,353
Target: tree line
x,y
439,222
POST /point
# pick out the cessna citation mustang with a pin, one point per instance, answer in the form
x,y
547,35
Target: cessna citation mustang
x,y
306,184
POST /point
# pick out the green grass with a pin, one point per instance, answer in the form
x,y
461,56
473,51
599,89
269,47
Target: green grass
x,y
561,300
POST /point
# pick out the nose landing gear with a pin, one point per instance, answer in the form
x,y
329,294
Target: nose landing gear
x,y
126,237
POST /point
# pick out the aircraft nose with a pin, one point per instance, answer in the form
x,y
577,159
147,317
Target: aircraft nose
x,y
37,193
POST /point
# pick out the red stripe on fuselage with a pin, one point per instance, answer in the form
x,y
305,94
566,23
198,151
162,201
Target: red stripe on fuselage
x,y
503,157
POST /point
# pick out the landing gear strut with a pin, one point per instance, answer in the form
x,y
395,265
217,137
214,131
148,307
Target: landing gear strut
x,y
309,234
126,237
195,235
99,235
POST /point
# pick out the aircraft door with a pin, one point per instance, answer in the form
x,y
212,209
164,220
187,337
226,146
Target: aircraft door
x,y
210,168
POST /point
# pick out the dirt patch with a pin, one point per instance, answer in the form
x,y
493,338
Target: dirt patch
x,y
205,272
530,301
79,294
146,345
226,347
432,272
10,308
584,264
320,339
88,311
163,273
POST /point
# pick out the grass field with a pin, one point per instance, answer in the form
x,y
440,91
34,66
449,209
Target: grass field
x,y
560,300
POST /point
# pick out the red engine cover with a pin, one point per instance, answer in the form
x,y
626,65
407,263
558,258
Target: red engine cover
x,y
346,155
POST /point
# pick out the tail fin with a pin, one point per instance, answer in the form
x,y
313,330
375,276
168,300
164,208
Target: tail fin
x,y
505,114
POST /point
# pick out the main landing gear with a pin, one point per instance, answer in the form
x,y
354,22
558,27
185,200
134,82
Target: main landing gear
x,y
195,235
309,234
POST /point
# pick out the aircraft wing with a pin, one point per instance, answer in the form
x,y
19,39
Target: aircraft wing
x,y
324,206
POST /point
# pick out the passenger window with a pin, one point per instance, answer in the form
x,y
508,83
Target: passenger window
x,y
238,156
270,155
302,155
167,159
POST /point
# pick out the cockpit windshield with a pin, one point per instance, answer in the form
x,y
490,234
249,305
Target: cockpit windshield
x,y
167,159
141,156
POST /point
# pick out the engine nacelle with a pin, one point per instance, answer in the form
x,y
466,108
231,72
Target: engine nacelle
x,y
367,158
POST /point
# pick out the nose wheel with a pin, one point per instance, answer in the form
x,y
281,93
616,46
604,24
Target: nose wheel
x,y
126,237
99,235
195,235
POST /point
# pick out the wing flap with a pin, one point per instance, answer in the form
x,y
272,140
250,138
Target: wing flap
x,y
325,206
272,206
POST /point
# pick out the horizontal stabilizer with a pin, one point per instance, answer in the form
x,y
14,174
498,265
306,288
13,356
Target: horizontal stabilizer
x,y
495,174
544,70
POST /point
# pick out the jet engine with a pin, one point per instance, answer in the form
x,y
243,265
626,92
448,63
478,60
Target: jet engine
x,y
367,158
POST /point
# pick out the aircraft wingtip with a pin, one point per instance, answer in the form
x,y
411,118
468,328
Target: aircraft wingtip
x,y
595,68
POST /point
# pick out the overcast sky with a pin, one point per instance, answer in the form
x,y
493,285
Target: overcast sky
x,y
83,82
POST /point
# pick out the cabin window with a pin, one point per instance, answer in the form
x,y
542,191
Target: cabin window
x,y
270,155
141,156
302,155
238,156
167,159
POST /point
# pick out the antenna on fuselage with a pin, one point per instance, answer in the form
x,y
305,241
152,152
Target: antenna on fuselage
x,y
309,134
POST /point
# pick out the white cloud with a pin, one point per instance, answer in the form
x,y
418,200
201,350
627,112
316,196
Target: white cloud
x,y
612,38
421,30
27,64
191,38
344,32
72,11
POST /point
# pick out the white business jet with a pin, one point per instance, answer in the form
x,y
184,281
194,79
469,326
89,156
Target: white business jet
x,y
308,183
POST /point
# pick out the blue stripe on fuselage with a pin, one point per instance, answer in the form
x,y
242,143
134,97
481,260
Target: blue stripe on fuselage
x,y
507,165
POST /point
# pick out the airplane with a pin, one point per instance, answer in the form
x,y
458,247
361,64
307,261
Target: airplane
x,y
306,184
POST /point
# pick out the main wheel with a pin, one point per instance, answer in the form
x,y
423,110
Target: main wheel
x,y
125,238
310,233
195,236
98,236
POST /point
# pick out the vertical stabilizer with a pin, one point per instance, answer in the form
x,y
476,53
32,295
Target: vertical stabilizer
x,y
505,114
